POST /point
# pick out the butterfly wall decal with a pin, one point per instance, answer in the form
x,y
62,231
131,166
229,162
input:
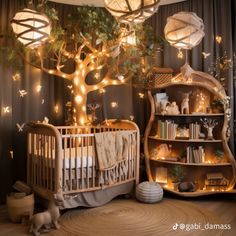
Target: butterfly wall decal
x,y
20,127
205,55
22,93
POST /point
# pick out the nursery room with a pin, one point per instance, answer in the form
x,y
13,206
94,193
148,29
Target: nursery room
x,y
117,117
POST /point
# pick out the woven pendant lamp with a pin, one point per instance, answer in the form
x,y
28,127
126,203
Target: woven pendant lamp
x,y
136,11
184,30
31,27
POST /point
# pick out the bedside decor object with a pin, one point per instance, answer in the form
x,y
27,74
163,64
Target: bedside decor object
x,y
185,103
217,106
31,28
177,175
187,187
136,11
149,192
161,175
171,109
163,151
216,182
158,76
19,206
45,219
184,30
209,124
219,155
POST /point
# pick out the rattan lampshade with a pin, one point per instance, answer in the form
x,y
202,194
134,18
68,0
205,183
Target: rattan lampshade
x,y
31,27
184,30
132,10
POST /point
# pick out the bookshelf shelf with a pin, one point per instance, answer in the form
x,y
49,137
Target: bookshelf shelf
x,y
198,192
191,115
214,157
191,164
185,140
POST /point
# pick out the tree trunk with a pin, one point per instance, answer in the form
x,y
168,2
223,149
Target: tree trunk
x,y
79,106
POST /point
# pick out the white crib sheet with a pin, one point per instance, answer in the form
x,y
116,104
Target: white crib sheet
x,y
84,156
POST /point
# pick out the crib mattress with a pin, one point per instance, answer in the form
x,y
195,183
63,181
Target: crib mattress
x,y
72,158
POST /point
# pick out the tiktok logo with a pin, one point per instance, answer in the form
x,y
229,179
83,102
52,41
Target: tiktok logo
x,y
175,226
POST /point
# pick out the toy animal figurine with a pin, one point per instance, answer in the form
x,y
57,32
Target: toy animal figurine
x,y
185,103
171,109
43,221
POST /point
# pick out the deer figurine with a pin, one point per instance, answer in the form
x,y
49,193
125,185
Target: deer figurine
x,y
43,221
209,124
185,103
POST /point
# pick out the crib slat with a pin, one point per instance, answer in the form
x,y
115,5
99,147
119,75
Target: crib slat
x,y
82,163
87,156
93,163
43,161
70,166
76,164
51,163
64,163
47,162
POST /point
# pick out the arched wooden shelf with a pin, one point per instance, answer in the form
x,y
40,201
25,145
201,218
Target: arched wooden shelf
x,y
192,164
193,80
186,140
190,115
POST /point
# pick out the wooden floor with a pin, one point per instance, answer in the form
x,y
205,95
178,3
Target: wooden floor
x,y
222,206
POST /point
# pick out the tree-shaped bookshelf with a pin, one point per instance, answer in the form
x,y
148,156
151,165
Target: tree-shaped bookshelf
x,y
195,143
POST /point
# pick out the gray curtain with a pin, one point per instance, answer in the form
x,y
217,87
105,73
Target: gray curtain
x,y
219,19
34,106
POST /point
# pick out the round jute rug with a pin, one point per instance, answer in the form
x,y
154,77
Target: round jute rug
x,y
124,217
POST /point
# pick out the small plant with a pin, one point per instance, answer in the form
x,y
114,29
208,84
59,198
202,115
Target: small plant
x,y
219,154
177,173
217,105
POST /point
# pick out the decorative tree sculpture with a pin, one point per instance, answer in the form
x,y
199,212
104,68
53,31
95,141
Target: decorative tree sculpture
x,y
209,124
91,46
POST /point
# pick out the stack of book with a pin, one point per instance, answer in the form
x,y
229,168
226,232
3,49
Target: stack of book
x,y
166,129
194,130
195,154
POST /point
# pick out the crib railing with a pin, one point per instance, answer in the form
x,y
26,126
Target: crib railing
x,y
64,158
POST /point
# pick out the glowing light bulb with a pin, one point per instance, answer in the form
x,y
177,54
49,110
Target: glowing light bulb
x,y
38,88
56,109
50,71
114,104
78,99
97,75
218,39
76,81
83,108
82,120
82,88
102,90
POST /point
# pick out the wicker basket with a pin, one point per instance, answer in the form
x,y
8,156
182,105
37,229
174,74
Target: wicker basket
x,y
20,207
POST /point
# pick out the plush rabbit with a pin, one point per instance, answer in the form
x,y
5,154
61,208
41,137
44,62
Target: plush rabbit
x,y
43,221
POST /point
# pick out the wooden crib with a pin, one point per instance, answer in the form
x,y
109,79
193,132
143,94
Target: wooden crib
x,y
64,159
